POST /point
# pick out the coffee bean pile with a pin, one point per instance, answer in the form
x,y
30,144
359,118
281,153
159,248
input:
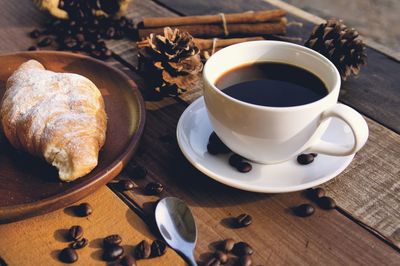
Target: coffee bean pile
x,y
75,235
316,195
216,146
240,252
144,250
83,30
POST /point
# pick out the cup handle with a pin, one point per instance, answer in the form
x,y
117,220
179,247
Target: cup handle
x,y
357,124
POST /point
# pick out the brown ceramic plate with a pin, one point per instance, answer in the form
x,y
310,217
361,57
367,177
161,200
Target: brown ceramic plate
x,y
28,185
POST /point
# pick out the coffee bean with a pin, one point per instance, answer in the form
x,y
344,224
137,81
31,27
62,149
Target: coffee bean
x,y
228,244
126,184
45,42
314,154
158,248
221,256
235,159
304,210
305,158
33,48
244,167
216,144
212,149
244,220
326,203
245,261
213,262
112,253
153,188
88,46
242,249
96,54
70,43
315,193
128,261
119,34
68,255
110,32
78,244
34,34
80,37
84,209
142,250
75,232
112,240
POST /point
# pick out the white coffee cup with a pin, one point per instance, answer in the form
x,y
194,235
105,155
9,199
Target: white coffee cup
x,y
274,134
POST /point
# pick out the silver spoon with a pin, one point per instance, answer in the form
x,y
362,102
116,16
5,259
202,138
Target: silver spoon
x,y
176,224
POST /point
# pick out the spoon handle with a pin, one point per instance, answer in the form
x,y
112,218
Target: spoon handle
x,y
190,259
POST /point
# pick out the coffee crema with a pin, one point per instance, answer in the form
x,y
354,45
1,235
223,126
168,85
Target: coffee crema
x,y
272,84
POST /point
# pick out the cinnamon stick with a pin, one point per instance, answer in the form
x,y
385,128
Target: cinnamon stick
x,y
235,18
245,29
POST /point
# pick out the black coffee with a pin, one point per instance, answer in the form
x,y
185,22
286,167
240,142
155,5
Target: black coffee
x,y
272,84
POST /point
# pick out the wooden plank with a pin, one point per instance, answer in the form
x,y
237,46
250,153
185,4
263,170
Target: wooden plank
x,y
37,241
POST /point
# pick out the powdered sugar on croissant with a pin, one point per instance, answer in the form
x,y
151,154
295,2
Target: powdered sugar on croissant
x,y
58,116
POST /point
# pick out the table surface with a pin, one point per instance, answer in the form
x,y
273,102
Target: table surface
x,y
363,230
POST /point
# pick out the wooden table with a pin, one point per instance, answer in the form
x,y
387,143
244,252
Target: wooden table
x,y
364,229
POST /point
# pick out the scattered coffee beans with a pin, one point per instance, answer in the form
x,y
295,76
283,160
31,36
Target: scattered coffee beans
x,y
326,203
45,42
304,210
315,193
142,250
213,262
153,188
221,256
75,232
112,253
112,240
215,145
126,184
158,248
244,220
228,244
68,255
242,249
128,261
305,158
84,209
245,261
34,34
78,244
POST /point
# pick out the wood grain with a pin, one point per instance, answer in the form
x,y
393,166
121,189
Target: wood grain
x,y
38,240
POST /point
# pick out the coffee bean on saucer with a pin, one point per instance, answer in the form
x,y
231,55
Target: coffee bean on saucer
x,y
113,253
112,240
75,232
221,256
304,210
153,188
314,154
126,184
158,248
217,144
68,255
45,42
212,149
78,244
213,262
235,159
228,244
33,48
244,167
34,34
244,220
142,250
245,261
84,209
326,203
242,249
128,260
305,158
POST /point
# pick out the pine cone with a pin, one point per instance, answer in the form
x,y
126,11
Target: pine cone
x,y
174,59
341,45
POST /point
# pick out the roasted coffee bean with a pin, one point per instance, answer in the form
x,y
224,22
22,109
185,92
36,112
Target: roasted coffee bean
x,y
75,232
68,255
315,193
217,144
45,42
213,262
304,210
221,256
314,154
244,167
245,261
72,23
244,220
158,248
112,240
34,34
78,244
112,253
305,158
80,37
96,54
235,159
153,188
84,209
126,184
128,260
70,43
242,249
228,245
212,149
326,203
88,46
119,34
142,250
33,48
110,32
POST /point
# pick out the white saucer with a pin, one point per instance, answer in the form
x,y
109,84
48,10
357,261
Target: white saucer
x,y
194,129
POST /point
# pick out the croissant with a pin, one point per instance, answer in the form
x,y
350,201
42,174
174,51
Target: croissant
x,y
58,116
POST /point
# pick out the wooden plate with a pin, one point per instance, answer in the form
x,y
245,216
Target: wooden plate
x,y
28,185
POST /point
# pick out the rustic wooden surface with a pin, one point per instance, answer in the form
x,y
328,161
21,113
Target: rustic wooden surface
x,y
279,237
